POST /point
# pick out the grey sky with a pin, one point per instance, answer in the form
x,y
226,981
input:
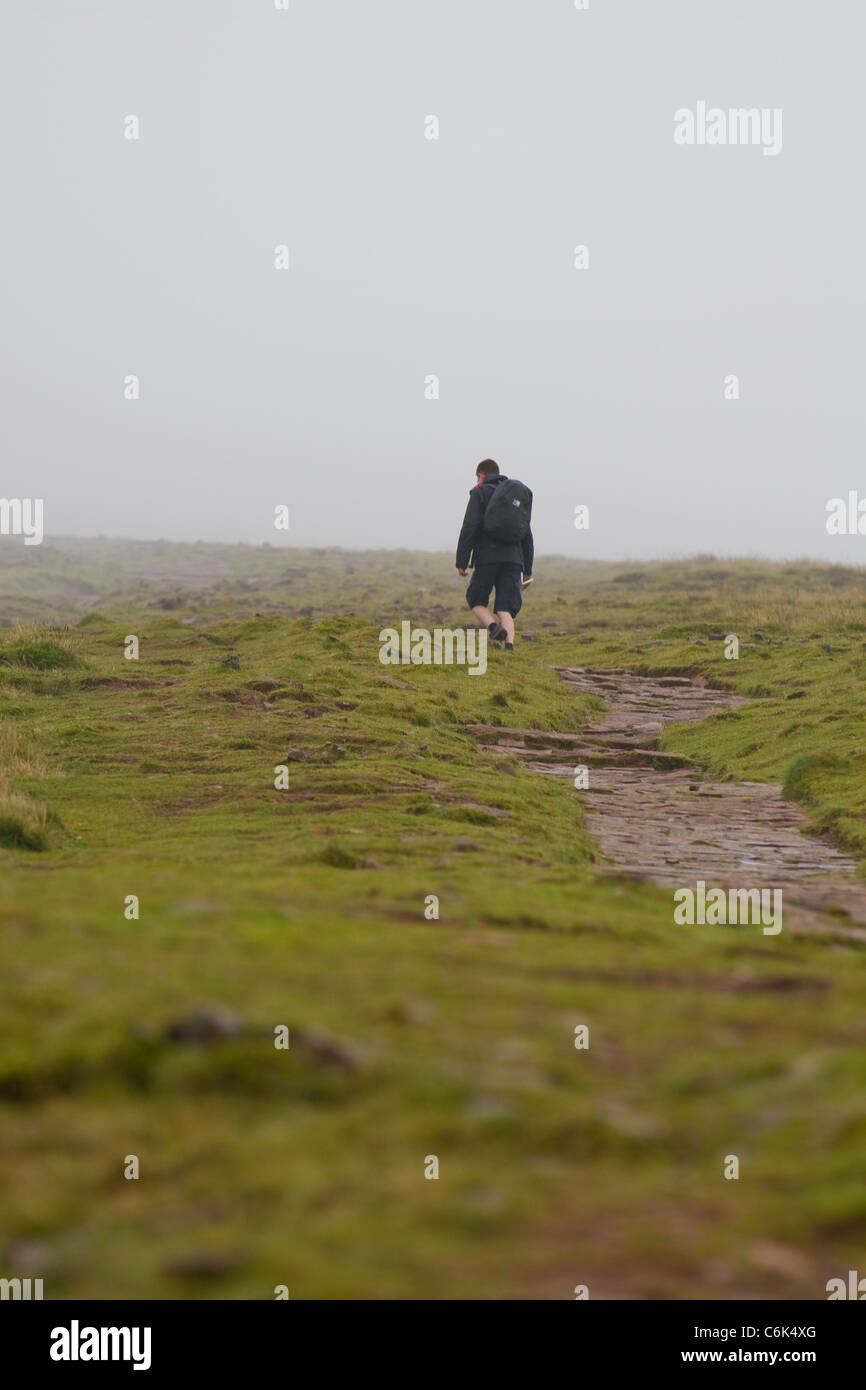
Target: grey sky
x,y
452,257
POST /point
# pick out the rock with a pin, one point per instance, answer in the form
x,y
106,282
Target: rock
x,y
487,1107
204,1264
231,662
467,845
332,752
30,1258
484,1200
204,1026
780,1259
631,1123
656,819
328,753
326,1050
414,1011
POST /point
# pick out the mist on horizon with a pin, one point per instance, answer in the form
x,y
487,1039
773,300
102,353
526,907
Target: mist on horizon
x,y
602,378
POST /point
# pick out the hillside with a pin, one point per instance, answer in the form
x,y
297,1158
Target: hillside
x,y
411,1036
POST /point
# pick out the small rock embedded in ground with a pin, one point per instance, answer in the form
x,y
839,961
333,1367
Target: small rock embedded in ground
x,y
206,1025
328,753
332,752
204,1264
412,1011
327,1050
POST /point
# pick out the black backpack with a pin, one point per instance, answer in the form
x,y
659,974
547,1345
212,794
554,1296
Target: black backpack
x,y
509,512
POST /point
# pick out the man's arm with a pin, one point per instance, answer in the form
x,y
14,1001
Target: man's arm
x,y
470,530
528,552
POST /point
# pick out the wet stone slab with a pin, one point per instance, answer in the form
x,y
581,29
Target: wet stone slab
x,y
655,817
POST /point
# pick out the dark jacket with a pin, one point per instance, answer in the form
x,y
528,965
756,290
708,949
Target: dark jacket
x,y
476,548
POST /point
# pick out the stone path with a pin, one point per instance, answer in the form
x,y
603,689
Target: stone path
x,y
655,817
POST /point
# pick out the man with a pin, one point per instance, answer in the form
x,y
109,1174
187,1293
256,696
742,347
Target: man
x,y
496,540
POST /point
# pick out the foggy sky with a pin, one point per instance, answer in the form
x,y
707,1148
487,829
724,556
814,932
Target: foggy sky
x,y
412,257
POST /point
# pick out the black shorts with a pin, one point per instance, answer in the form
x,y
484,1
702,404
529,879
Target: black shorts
x,y
505,578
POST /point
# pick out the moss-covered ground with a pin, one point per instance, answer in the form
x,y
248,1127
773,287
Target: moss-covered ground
x,y
411,1035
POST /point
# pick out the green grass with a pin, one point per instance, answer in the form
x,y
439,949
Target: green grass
x,y
24,822
37,656
411,1034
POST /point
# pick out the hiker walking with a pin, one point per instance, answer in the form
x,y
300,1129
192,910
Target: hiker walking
x,y
496,540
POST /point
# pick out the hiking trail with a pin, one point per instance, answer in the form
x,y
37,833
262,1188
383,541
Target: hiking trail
x,y
654,816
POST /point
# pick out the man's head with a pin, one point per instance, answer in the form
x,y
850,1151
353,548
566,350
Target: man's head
x,y
486,469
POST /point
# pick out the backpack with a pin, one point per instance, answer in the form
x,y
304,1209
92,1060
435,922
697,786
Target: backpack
x,y
509,512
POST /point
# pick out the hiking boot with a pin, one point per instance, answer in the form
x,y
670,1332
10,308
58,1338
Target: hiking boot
x,y
509,646
496,632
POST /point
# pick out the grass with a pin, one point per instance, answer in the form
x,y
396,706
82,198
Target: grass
x,y
37,654
24,822
411,1034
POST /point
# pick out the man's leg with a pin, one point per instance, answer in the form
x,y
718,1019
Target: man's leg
x,y
478,597
508,600
486,619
